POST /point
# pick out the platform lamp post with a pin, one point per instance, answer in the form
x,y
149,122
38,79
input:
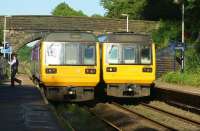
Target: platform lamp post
x,y
126,21
4,34
183,17
183,30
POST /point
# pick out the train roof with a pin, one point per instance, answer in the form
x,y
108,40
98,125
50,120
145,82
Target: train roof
x,y
70,37
125,38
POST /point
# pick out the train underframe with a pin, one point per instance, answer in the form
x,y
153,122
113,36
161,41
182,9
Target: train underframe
x,y
73,94
128,90
67,93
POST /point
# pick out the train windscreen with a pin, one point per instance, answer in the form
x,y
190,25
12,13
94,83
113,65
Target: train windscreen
x,y
61,53
128,54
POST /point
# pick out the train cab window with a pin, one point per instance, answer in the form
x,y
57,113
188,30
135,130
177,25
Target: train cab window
x,y
89,55
53,53
129,55
72,54
145,55
113,54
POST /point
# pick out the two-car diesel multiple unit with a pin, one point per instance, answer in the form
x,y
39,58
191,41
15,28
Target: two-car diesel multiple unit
x,y
67,65
128,64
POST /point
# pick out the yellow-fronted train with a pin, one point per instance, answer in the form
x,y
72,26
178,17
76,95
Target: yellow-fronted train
x,y
128,64
67,65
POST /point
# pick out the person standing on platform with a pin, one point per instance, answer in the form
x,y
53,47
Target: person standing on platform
x,y
14,69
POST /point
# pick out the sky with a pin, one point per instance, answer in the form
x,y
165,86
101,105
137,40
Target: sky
x,y
45,7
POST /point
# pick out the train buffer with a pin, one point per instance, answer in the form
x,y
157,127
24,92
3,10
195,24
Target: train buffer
x,y
22,108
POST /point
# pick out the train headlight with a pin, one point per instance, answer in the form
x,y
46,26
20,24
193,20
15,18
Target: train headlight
x,y
147,70
111,69
90,71
51,70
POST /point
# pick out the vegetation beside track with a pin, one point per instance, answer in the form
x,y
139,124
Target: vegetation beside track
x,y
78,117
192,70
186,78
24,56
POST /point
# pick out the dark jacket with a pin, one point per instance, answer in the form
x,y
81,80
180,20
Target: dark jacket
x,y
14,67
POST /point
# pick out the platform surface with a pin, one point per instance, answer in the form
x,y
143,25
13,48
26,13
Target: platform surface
x,y
180,88
22,108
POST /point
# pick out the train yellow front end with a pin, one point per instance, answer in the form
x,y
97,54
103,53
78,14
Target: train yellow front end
x,y
128,62
68,66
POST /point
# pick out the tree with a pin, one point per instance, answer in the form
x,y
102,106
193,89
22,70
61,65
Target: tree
x,y
142,9
97,16
192,18
64,9
161,9
117,7
166,10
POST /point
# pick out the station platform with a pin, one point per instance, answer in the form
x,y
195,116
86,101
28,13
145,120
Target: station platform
x,y
22,108
180,88
185,97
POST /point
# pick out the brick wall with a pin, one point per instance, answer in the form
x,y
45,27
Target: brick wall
x,y
76,23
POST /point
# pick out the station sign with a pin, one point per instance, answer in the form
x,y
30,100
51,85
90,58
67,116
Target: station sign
x,y
177,45
6,51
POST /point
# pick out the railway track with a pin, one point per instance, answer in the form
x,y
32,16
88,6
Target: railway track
x,y
170,114
144,117
66,123
182,99
123,119
113,126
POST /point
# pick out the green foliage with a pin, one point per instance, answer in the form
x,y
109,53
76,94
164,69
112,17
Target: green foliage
x,y
24,53
168,30
97,16
75,115
117,7
161,9
186,78
192,70
192,60
192,18
142,9
64,9
166,10
24,56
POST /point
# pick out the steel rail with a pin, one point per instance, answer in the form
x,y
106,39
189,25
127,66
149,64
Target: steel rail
x,y
106,121
144,117
67,123
194,122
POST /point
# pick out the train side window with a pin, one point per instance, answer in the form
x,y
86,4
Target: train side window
x,y
129,55
113,54
145,55
89,56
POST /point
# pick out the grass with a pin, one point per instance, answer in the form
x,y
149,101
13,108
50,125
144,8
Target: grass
x,y
79,118
186,78
191,75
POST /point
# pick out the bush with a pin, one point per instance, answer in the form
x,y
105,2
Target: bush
x,y
192,70
24,54
192,61
186,78
167,31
